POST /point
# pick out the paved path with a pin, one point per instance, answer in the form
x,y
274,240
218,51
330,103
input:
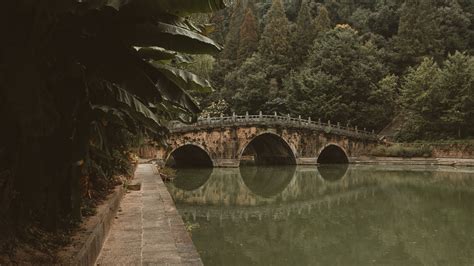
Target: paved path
x,y
148,230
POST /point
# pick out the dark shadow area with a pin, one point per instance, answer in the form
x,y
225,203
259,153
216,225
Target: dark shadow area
x,y
332,172
189,156
333,154
267,181
191,179
268,149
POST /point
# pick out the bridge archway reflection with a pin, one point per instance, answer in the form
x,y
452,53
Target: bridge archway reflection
x,y
192,179
267,149
267,181
189,156
333,172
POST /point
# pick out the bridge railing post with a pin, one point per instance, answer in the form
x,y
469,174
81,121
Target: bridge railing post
x,y
260,115
247,116
309,120
221,120
276,115
338,125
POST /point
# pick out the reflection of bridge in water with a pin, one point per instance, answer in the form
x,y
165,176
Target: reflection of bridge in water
x,y
276,212
237,195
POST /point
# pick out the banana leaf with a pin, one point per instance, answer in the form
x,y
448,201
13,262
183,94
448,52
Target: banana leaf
x,y
130,104
169,37
184,79
163,55
156,8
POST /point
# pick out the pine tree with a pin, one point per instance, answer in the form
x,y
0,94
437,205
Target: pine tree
x,y
418,33
322,21
232,39
227,60
248,43
303,36
274,45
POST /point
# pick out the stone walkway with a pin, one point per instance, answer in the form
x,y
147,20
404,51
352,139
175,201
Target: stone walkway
x,y
148,229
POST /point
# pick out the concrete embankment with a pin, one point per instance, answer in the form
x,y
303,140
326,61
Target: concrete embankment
x,y
413,161
135,226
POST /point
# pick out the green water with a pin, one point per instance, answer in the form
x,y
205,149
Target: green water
x,y
357,215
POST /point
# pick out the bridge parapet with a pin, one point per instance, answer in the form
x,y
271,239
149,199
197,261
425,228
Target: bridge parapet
x,y
271,121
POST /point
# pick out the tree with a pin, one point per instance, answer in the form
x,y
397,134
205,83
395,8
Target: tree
x,y
322,21
303,35
274,46
343,80
247,87
431,28
456,92
248,42
232,39
438,102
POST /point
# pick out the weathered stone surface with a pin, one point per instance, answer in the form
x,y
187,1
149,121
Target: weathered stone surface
x,y
225,145
148,230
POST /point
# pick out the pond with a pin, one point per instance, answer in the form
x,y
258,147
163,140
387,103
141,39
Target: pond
x,y
330,215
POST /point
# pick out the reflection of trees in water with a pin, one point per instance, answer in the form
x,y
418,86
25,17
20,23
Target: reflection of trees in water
x,y
267,181
402,225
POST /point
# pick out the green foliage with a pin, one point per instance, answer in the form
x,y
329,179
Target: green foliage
x,y
303,35
431,28
248,42
439,101
398,150
322,21
274,46
216,109
344,80
302,67
247,87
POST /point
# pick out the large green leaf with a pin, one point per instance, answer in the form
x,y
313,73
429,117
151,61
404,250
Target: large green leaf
x,y
172,92
169,37
163,55
156,7
184,79
121,99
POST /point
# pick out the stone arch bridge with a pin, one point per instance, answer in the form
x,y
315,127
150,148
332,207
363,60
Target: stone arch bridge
x,y
263,140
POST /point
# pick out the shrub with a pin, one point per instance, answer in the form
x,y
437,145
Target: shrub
x,y
398,150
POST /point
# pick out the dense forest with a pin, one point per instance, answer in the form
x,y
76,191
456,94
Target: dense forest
x,y
365,63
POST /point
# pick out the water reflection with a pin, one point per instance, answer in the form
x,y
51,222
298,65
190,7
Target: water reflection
x,y
267,181
372,216
332,172
191,179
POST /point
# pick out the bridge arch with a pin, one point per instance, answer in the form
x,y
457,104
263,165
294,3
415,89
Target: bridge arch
x,y
332,153
268,148
189,155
